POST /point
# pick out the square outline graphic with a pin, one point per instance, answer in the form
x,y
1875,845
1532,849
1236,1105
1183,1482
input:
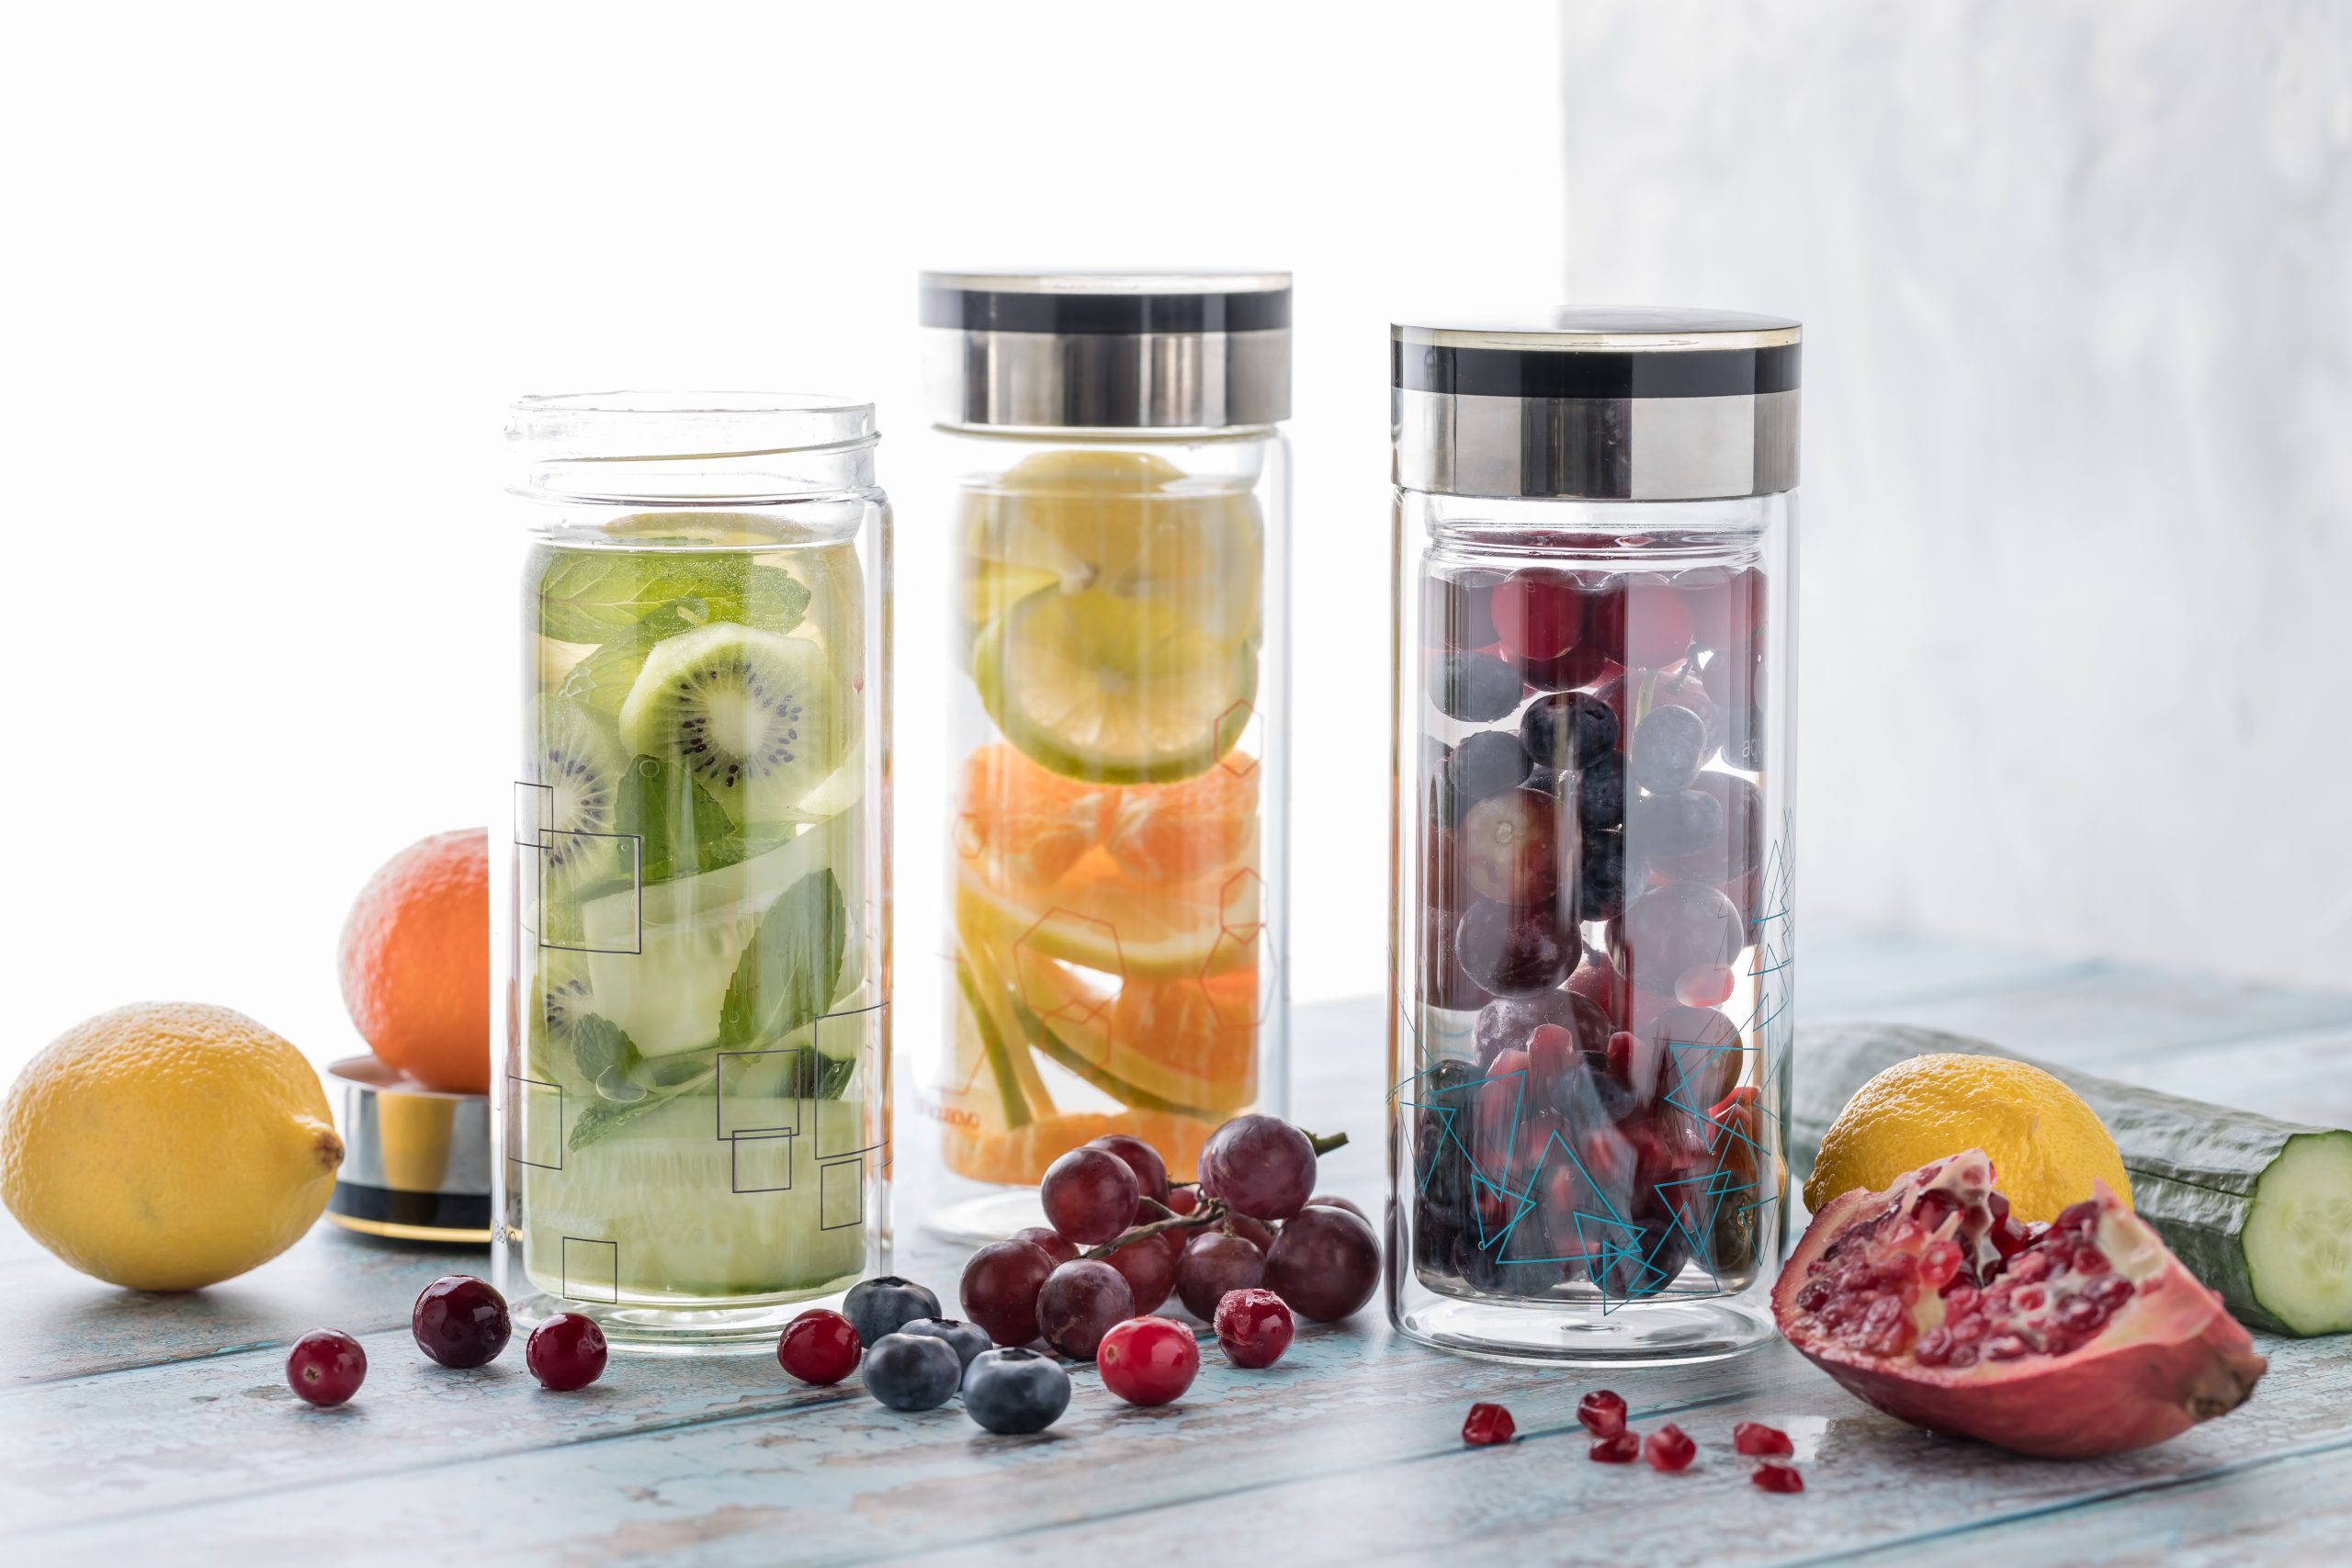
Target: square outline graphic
x,y
857,1169
613,1297
718,1117
516,1141
636,887
735,1147
861,1056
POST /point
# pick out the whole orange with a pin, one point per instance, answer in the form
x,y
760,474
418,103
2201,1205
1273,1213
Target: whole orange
x,y
415,962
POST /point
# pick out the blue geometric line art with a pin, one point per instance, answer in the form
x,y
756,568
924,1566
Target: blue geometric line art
x,y
1448,1113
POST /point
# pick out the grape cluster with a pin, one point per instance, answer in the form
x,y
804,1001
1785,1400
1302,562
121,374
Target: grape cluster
x,y
1589,879
1250,1235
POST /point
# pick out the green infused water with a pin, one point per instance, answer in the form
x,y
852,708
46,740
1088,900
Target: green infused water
x,y
701,1094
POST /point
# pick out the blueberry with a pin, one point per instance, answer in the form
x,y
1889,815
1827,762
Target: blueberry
x,y
1486,763
1015,1391
1477,688
1600,886
1600,791
913,1371
1681,823
1569,726
1668,746
967,1339
880,1306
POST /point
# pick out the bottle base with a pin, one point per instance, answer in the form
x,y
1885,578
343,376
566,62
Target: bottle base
x,y
1641,1334
644,1326
996,1212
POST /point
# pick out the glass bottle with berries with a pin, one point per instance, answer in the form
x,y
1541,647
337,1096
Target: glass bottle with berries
x,y
1591,1022
1114,507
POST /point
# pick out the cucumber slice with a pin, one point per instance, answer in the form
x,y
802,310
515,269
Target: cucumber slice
x,y
2259,1210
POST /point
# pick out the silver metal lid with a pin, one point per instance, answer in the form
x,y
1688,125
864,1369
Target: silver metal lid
x,y
1108,350
1604,403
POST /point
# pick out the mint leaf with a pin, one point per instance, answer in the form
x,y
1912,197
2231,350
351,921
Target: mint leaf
x,y
604,1117
833,1076
684,829
603,595
785,977
601,1047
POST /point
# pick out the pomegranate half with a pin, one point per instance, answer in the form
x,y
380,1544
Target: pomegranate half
x,y
2069,1339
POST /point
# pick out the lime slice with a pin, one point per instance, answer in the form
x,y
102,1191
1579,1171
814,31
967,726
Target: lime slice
x,y
1114,690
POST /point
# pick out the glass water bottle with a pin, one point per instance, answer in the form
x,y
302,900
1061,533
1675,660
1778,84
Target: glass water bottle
x,y
1595,694
694,1109
1116,510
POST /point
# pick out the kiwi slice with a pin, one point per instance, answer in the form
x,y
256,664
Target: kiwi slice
x,y
576,755
750,714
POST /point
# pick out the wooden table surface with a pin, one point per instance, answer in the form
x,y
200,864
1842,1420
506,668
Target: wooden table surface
x,y
136,1429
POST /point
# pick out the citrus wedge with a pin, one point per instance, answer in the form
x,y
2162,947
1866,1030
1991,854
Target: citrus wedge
x,y
1113,690
1097,920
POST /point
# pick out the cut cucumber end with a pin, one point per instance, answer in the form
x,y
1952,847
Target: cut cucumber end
x,y
2299,1237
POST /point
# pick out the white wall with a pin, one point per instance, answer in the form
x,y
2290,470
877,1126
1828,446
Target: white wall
x,y
276,270
2077,284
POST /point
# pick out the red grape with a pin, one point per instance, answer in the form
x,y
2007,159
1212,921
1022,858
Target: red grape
x,y
1645,615
1151,1171
1000,1288
1149,1265
1254,1327
1672,930
1213,1265
1256,1233
1262,1165
1538,614
1081,1302
1333,1201
1324,1263
1507,848
1089,1195
1149,1360
1049,1241
1513,953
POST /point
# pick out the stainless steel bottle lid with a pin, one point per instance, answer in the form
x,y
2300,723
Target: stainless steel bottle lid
x,y
415,1161
1603,403
1108,351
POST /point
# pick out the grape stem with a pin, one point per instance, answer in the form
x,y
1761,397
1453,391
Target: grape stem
x,y
1209,1213
1323,1144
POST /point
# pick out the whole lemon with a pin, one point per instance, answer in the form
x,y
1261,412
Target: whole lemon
x,y
2047,1146
167,1146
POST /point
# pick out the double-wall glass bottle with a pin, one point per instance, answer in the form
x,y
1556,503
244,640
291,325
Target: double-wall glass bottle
x,y
694,1110
1116,505
1590,1030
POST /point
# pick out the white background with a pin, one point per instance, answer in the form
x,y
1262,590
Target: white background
x,y
2078,405
277,270
2076,280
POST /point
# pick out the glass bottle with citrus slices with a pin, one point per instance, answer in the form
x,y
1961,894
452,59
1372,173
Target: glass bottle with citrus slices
x,y
1119,486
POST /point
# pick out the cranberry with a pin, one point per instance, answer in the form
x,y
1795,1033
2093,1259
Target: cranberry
x,y
1254,1327
461,1321
1488,1424
326,1367
1618,1448
566,1352
1602,1413
819,1346
1670,1448
1149,1360
1754,1438
1777,1477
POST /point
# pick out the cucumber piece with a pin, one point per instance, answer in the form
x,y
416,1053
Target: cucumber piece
x,y
2259,1210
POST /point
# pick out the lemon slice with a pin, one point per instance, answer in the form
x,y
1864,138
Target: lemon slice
x,y
1113,690
1099,920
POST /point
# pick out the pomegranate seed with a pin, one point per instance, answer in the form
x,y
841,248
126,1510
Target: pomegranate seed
x,y
1938,1265
1777,1477
1618,1450
1755,1438
1670,1448
1489,1424
1602,1413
